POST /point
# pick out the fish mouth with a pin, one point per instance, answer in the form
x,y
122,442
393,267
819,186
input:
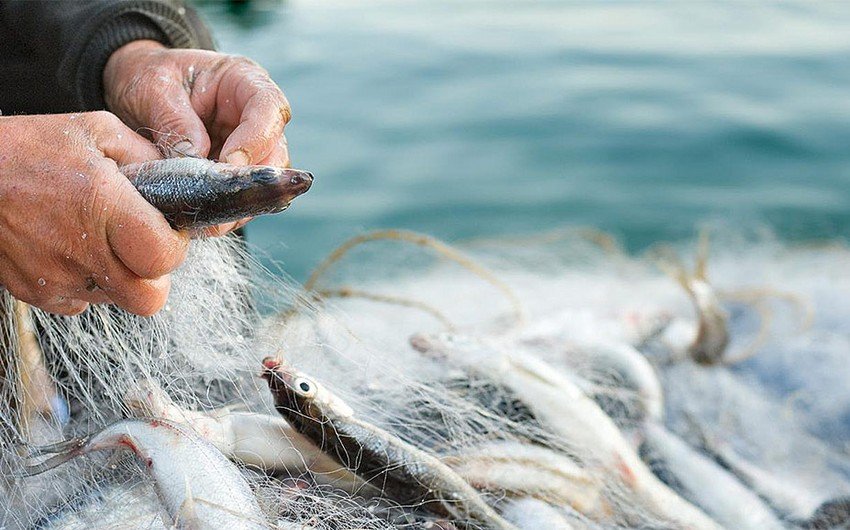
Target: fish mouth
x,y
265,189
276,372
299,180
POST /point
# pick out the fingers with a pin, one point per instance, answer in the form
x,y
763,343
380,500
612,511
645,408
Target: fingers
x,y
117,141
136,295
173,121
139,235
116,284
226,228
39,294
64,306
264,115
279,156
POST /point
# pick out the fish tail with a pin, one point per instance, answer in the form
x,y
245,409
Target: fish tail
x,y
47,465
65,446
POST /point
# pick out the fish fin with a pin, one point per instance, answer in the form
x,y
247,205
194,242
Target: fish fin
x,y
64,446
176,152
187,515
47,465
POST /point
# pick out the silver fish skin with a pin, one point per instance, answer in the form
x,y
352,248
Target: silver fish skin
x,y
555,400
198,487
790,499
196,192
405,473
707,484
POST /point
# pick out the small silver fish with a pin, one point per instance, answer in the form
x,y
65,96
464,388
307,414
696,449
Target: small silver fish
x,y
708,485
196,484
196,192
405,473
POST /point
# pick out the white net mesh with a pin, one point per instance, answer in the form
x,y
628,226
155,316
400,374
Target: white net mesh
x,y
537,368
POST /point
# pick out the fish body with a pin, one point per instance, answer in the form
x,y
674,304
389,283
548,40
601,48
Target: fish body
x,y
198,487
530,471
113,507
196,192
560,404
701,480
403,472
533,514
785,496
632,370
259,440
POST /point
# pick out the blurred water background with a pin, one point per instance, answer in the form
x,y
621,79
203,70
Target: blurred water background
x,y
469,118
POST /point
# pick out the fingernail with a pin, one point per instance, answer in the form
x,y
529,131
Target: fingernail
x,y
182,148
238,158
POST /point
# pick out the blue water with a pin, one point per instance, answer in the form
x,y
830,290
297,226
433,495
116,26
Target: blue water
x,y
465,118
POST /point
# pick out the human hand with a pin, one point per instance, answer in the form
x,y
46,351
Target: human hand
x,y
73,229
200,102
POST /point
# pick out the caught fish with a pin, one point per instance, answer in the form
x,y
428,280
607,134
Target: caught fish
x,y
783,495
533,514
831,515
115,506
36,415
525,470
705,483
405,473
628,366
42,411
259,440
196,484
559,403
196,192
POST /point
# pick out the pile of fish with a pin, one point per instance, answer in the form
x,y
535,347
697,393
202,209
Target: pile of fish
x,y
606,391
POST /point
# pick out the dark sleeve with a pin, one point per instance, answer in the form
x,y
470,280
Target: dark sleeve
x,y
66,44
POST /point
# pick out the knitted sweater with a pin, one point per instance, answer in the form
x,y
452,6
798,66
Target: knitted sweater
x,y
54,52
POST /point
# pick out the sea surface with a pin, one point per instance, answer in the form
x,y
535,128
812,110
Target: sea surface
x,y
471,118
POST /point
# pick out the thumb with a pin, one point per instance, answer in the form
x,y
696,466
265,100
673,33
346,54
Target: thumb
x,y
125,146
173,121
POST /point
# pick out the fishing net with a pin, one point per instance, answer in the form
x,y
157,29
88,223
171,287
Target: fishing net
x,y
456,350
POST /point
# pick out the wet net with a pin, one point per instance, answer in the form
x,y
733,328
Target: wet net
x,y
570,383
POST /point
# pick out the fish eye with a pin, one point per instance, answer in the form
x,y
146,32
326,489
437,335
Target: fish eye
x,y
305,387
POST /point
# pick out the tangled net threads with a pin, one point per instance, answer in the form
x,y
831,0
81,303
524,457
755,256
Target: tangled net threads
x,y
204,352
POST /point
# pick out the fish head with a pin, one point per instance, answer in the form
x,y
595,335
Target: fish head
x,y
468,352
269,186
455,346
296,393
441,345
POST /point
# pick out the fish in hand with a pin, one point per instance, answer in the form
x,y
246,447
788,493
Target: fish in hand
x,y
196,192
